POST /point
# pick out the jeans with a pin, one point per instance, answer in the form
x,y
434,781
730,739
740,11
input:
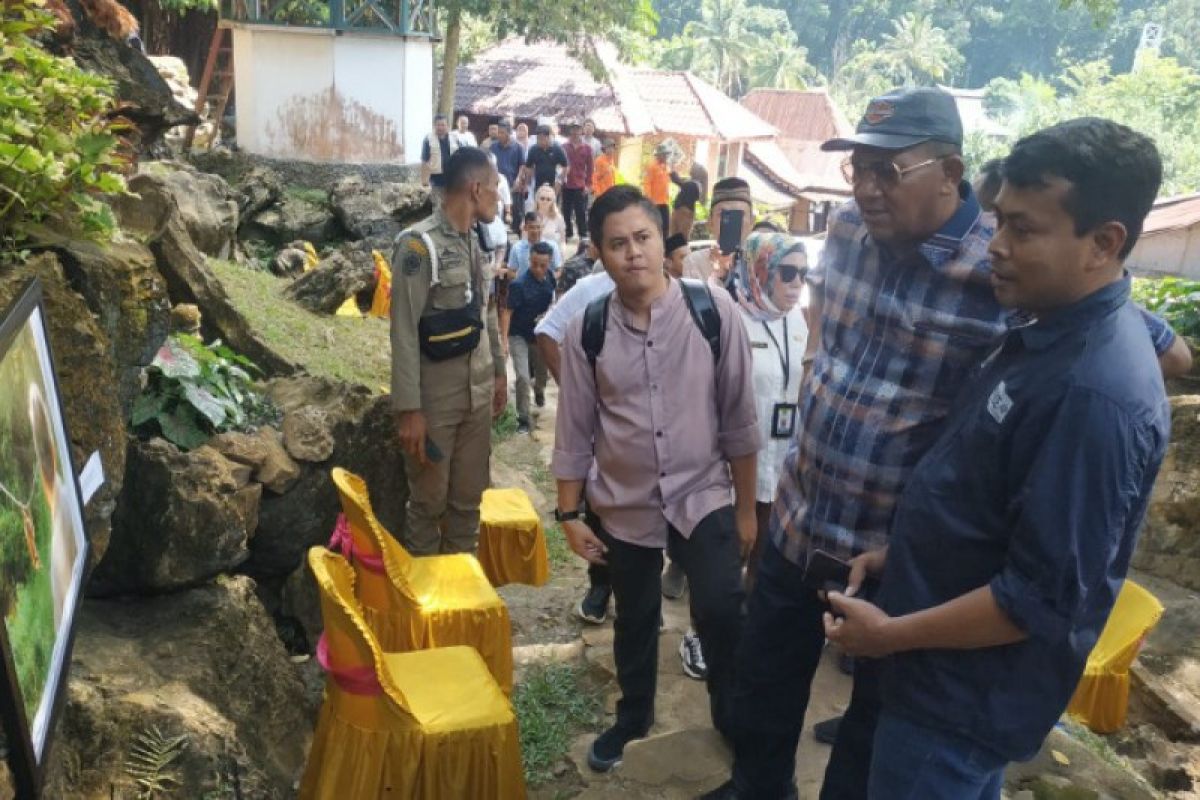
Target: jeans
x,y
530,370
711,561
912,762
574,204
781,647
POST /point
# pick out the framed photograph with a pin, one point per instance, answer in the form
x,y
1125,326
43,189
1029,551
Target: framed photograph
x,y
43,544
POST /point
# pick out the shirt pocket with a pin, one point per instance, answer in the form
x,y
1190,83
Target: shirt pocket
x,y
454,278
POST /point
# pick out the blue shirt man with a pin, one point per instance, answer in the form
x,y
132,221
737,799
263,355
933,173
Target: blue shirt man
x,y
528,298
519,253
508,154
1014,532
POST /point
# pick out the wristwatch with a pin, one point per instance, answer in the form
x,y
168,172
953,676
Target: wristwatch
x,y
566,516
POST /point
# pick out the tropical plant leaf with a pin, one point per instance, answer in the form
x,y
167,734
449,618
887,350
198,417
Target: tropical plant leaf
x,y
201,399
147,406
150,758
175,361
182,428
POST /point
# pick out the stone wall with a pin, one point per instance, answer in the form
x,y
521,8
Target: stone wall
x,y
1169,546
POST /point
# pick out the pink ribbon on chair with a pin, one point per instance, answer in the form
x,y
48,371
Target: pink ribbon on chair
x,y
343,542
352,680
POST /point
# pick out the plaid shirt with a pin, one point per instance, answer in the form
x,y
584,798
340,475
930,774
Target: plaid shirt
x,y
898,339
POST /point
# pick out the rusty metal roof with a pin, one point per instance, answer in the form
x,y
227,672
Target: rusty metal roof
x,y
530,80
1173,213
807,115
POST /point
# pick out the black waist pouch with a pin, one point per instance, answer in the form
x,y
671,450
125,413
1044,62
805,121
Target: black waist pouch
x,y
450,334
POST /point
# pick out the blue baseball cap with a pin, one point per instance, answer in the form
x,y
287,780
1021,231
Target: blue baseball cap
x,y
903,118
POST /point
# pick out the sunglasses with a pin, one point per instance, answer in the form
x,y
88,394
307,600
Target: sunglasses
x,y
789,273
887,174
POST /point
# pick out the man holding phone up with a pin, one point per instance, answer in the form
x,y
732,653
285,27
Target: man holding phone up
x,y
731,202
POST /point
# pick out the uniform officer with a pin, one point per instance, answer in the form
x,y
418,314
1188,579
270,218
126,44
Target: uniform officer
x,y
448,375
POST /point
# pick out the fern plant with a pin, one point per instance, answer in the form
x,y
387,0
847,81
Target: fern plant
x,y
149,762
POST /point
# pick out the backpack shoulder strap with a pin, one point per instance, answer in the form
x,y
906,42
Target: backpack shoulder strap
x,y
700,303
595,325
422,229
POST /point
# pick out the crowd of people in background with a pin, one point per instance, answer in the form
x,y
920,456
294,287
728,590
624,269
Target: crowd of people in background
x,y
958,389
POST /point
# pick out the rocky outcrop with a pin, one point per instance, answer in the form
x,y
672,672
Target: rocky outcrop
x,y
378,210
258,190
1169,546
151,211
205,664
308,434
207,206
87,384
293,218
264,454
335,279
364,437
123,288
183,518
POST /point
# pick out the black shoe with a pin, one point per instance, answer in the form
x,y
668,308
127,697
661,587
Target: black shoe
x,y
593,608
608,748
523,426
539,398
727,791
826,732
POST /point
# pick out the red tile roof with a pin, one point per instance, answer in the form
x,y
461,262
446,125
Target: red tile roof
x,y
777,161
543,79
1173,213
808,114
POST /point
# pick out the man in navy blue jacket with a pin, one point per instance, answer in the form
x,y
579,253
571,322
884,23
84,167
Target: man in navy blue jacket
x,y
528,298
1013,534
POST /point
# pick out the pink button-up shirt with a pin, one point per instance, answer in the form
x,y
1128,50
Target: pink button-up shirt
x,y
652,428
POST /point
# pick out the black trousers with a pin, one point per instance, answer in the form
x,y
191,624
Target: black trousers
x,y
665,213
574,209
781,647
518,211
711,560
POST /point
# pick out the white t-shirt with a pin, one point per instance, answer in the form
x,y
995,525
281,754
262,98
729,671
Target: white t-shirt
x,y
570,305
497,231
769,387
465,138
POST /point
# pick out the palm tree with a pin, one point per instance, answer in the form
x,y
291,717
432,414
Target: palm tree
x,y
723,47
919,52
780,63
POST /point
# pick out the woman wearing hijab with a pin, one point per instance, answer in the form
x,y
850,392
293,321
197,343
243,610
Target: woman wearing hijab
x,y
767,284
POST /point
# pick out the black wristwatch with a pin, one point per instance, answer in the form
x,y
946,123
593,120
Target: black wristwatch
x,y
566,516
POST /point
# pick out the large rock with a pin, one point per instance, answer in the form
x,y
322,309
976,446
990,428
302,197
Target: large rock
x,y
207,206
154,214
365,442
293,218
87,384
258,190
334,280
123,288
378,210
264,454
308,434
182,519
1169,546
204,664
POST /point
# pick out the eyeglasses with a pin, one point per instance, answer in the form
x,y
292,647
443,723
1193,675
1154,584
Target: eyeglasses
x,y
789,273
887,174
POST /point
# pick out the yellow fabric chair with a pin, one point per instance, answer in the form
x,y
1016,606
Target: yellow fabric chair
x,y
417,603
424,725
1102,697
512,543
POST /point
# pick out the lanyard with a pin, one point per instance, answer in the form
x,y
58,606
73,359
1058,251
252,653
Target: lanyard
x,y
785,352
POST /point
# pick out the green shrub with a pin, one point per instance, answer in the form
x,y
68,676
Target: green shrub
x,y
58,142
194,390
1174,299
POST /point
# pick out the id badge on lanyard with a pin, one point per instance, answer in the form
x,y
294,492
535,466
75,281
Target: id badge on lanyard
x,y
783,417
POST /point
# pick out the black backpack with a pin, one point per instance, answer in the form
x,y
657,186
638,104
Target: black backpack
x,y
699,302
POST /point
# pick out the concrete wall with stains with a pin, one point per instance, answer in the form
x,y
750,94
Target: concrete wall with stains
x,y
306,94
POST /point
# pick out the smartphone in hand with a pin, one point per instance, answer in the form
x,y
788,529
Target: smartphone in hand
x,y
729,238
826,573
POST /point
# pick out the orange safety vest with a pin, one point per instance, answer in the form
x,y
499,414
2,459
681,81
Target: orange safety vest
x,y
604,175
657,184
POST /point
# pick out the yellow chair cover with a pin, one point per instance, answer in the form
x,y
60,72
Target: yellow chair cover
x,y
310,257
381,300
512,544
419,603
349,308
440,727
1102,697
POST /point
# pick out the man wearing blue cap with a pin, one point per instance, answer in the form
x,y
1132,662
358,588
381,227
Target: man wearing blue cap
x,y
904,284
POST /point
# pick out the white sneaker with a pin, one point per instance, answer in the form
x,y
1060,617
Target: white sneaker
x,y
692,656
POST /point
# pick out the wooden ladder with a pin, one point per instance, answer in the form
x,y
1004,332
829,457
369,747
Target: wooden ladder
x,y
218,67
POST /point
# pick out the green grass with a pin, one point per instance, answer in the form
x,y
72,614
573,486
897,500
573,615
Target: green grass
x,y
504,426
347,348
557,548
552,704
317,197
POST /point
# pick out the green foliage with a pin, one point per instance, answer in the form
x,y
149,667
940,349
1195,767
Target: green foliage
x,y
551,703
915,53
1174,299
58,144
557,549
149,762
194,390
505,425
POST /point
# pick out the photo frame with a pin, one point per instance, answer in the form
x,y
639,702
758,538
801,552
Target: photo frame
x,y
43,541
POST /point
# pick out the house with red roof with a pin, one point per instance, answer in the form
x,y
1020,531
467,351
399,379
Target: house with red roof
x,y
1170,240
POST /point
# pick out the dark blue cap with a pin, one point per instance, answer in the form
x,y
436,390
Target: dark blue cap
x,y
903,118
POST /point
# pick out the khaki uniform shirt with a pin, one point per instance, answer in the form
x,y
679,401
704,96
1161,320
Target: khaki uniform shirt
x,y
463,383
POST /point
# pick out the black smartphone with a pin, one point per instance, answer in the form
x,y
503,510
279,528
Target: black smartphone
x,y
826,573
432,451
729,237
